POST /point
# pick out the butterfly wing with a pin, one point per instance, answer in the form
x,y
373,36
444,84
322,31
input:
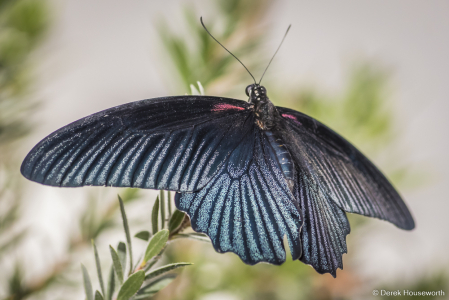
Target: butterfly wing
x,y
341,172
324,229
247,208
334,177
173,143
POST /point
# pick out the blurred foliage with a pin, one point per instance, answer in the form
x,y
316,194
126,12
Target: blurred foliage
x,y
200,58
60,273
143,280
23,24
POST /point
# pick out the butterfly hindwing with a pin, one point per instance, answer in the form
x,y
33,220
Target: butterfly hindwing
x,y
324,230
341,172
174,143
247,208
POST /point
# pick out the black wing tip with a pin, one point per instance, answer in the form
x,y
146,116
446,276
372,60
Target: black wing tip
x,y
410,222
405,222
408,225
322,271
332,270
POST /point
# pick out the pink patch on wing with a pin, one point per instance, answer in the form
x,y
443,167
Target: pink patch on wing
x,y
222,107
291,117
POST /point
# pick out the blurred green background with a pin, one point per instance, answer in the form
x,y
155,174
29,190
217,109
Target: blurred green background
x,y
47,48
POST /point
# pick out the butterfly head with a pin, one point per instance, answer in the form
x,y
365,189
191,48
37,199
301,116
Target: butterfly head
x,y
256,93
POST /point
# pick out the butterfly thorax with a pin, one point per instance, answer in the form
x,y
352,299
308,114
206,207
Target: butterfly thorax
x,y
266,114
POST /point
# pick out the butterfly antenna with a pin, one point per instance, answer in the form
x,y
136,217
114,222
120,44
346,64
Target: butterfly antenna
x,y
275,52
204,26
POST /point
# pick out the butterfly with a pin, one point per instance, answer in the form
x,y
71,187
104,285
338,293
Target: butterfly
x,y
247,173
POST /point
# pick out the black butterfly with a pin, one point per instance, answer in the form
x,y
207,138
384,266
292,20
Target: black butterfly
x,y
247,173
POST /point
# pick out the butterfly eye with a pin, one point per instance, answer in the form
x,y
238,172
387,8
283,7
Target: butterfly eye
x,y
248,89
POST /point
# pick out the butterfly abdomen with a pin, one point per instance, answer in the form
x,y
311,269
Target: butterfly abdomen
x,y
281,156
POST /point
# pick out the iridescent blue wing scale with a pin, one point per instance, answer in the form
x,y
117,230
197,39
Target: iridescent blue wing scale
x,y
173,143
247,208
342,174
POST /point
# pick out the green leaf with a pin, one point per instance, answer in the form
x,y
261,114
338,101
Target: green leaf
x,y
111,284
169,204
176,220
98,296
121,251
131,285
154,215
193,90
98,264
162,209
87,284
156,244
151,262
201,88
154,287
143,235
128,235
117,265
165,269
193,236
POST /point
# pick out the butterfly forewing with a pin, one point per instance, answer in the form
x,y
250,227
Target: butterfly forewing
x,y
341,172
175,143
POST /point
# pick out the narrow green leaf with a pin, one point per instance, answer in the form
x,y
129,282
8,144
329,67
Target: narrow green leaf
x,y
121,251
111,284
143,235
138,260
201,88
176,220
87,284
169,204
128,235
154,215
98,264
156,244
193,236
117,265
152,262
98,296
154,287
165,269
131,285
193,90
162,197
